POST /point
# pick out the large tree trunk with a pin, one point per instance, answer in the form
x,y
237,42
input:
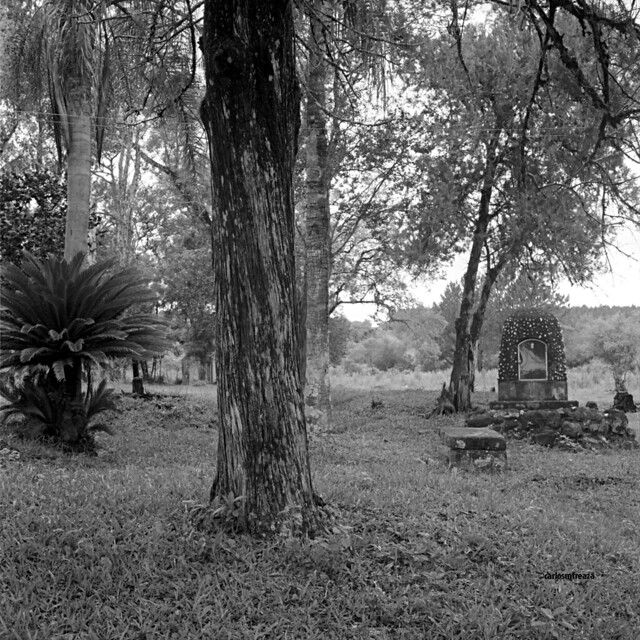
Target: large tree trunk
x,y
317,237
251,115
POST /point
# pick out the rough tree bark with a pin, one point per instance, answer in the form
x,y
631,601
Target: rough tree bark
x,y
464,356
251,115
317,236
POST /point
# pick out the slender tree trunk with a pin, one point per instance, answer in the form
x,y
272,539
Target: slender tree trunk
x,y
72,420
70,50
251,115
318,238
185,366
202,369
137,384
76,237
464,356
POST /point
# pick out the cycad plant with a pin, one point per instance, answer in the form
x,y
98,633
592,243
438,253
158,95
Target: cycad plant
x,y
57,318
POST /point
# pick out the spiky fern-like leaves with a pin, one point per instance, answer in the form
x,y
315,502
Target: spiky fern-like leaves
x,y
55,312
57,317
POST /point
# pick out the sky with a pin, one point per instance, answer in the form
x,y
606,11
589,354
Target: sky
x,y
620,287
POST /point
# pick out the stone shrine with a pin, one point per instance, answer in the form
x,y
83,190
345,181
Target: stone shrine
x,y
532,370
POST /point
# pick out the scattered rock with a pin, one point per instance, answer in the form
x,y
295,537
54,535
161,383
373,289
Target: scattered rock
x,y
617,422
585,426
480,420
542,419
572,430
582,414
473,439
624,402
545,438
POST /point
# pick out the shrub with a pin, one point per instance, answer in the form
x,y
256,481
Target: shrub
x,y
58,319
381,350
616,341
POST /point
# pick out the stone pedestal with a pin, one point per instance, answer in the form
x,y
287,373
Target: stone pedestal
x,y
532,390
532,405
479,449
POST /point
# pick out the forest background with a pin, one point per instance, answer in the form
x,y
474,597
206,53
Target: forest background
x,y
151,203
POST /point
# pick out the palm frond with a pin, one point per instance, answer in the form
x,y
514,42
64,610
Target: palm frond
x,y
100,400
33,401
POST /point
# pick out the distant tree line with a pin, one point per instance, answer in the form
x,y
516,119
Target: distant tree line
x,y
423,338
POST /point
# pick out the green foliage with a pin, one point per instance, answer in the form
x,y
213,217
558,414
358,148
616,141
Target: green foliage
x,y
581,323
56,313
449,308
410,340
58,318
32,401
44,402
186,272
420,329
33,206
616,341
381,350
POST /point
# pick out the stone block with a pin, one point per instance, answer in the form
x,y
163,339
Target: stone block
x,y
541,419
582,414
472,439
529,405
478,460
530,390
617,421
545,438
572,430
481,420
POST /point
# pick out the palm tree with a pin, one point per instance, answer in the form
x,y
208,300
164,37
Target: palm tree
x,y
59,318
73,62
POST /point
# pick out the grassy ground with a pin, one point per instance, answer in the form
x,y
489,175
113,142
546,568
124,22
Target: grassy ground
x,y
105,547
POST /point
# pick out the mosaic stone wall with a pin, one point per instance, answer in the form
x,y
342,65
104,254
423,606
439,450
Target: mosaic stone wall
x,y
527,325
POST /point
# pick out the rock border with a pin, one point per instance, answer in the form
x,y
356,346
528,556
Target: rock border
x,y
569,428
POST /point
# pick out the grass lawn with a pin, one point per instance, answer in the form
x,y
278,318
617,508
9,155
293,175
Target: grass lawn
x,y
106,547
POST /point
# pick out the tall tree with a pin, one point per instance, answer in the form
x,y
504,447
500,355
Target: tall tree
x,y
55,53
514,162
72,58
317,223
251,116
543,193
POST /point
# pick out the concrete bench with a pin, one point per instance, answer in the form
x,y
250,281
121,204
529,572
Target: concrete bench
x,y
475,448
